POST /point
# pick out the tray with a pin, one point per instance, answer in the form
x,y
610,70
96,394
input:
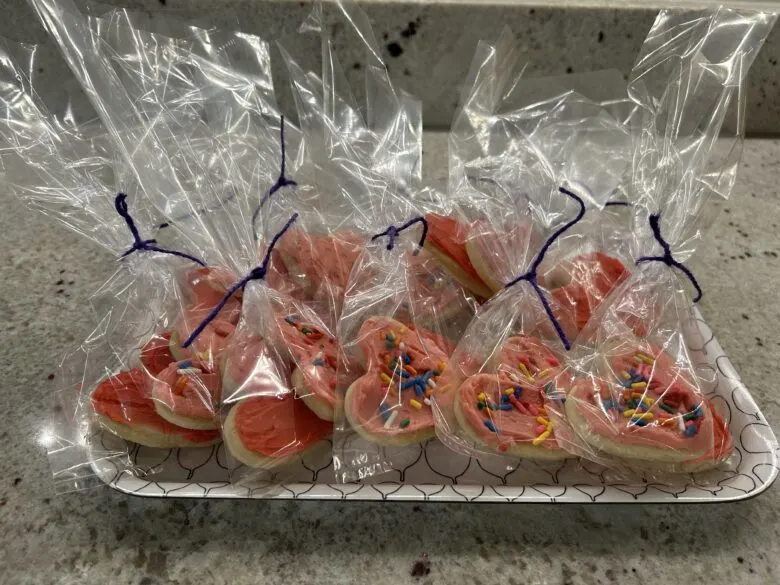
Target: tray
x,y
440,475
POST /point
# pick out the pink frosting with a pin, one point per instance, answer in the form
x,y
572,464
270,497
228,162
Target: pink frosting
x,y
387,345
321,260
603,401
191,395
512,426
206,286
250,369
213,340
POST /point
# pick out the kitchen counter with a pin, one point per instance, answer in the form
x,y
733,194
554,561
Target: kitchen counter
x,y
101,536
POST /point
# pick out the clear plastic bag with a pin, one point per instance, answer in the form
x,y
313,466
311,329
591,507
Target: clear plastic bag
x,y
68,170
634,397
549,129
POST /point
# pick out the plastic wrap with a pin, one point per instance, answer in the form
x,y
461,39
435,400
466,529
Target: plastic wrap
x,y
69,171
366,170
543,122
637,398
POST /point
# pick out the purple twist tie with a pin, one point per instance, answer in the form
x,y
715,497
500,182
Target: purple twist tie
x,y
257,273
282,181
667,258
392,233
531,277
120,203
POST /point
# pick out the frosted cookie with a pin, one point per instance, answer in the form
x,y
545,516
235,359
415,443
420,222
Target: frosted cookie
x,y
446,241
315,353
268,431
643,407
506,411
404,366
266,426
186,393
123,404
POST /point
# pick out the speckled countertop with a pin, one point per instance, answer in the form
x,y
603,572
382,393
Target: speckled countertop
x,y
105,537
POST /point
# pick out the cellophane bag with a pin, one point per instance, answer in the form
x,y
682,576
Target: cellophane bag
x,y
587,146
214,130
266,425
635,397
525,168
68,169
371,165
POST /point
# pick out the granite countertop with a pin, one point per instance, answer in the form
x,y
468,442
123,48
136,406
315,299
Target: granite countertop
x,y
102,536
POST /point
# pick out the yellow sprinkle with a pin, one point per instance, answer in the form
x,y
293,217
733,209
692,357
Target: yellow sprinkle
x,y
668,421
525,370
629,413
386,378
625,375
541,438
645,359
392,334
402,330
645,399
509,391
415,404
543,373
643,415
541,420
482,396
442,366
639,385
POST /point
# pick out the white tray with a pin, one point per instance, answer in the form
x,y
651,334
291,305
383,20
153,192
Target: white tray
x,y
439,475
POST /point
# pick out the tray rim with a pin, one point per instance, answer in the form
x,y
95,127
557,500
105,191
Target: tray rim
x,y
358,492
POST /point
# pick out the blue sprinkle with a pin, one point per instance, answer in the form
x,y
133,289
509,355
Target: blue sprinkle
x,y
404,374
427,375
691,431
290,320
697,410
490,425
318,362
639,422
384,411
185,364
493,406
518,391
506,407
504,399
409,384
419,389
407,359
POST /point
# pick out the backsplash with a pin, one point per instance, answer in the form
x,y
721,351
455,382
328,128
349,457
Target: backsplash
x,y
428,47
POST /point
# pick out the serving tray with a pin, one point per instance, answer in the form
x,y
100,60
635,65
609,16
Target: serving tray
x,y
437,474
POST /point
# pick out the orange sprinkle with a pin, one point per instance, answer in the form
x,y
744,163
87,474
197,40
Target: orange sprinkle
x,y
410,369
181,384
